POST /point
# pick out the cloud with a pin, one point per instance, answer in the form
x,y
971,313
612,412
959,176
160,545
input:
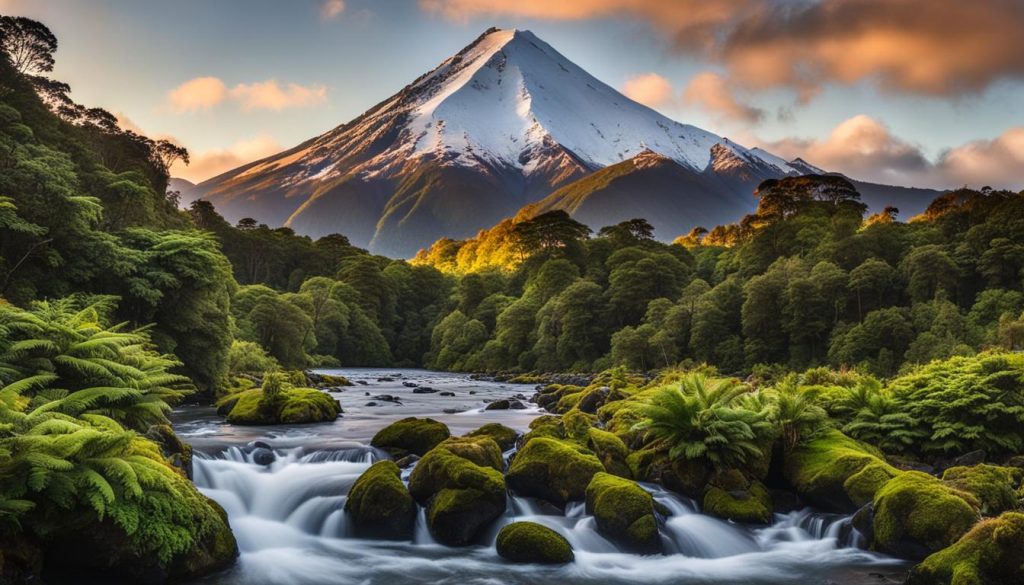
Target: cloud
x,y
998,162
865,148
712,93
211,163
201,93
332,9
948,48
649,89
269,95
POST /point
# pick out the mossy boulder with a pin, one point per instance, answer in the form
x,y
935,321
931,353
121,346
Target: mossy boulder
x,y
380,505
410,435
290,406
502,435
529,542
990,554
553,470
994,486
916,514
461,485
624,512
752,505
610,450
547,425
685,476
826,471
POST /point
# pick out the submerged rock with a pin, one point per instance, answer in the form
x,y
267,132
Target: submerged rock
x,y
380,504
529,542
624,512
553,470
410,435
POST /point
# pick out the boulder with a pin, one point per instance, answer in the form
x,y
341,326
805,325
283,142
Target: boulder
x,y
610,450
380,505
752,505
990,554
423,390
291,406
830,471
624,512
916,514
552,470
529,542
177,453
504,436
995,487
410,435
461,485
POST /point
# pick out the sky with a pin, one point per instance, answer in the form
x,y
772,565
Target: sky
x,y
910,92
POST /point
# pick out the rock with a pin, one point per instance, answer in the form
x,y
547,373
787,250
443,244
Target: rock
x,y
969,459
837,473
386,398
505,404
362,382
472,392
552,470
461,485
410,435
385,379
624,512
989,554
594,399
410,384
406,461
916,514
380,505
177,453
995,487
262,456
371,403
520,396
446,394
225,405
423,390
610,450
748,506
453,410
322,380
502,435
529,542
366,393
291,406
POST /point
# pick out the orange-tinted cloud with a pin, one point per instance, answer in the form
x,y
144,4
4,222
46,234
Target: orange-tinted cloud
x,y
332,9
712,93
269,95
201,93
929,47
998,162
649,89
211,163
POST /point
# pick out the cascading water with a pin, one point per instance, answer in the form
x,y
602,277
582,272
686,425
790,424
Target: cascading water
x,y
291,527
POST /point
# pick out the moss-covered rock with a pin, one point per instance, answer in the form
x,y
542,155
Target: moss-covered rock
x,y
685,476
460,483
990,554
624,512
916,514
379,503
529,542
410,435
752,505
502,435
576,426
547,425
610,450
177,453
994,486
822,471
556,471
290,406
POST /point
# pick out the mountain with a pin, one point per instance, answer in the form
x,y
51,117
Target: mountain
x,y
506,122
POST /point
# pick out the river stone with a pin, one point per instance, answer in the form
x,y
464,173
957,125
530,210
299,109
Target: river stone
x,y
504,436
262,456
916,514
410,435
529,542
624,512
552,470
380,504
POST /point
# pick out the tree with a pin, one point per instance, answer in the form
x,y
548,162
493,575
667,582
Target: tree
x,y
549,232
871,282
628,233
929,269
29,45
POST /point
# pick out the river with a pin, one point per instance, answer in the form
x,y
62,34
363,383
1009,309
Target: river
x,y
291,528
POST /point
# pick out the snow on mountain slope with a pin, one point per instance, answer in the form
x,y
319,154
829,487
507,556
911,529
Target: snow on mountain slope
x,y
503,123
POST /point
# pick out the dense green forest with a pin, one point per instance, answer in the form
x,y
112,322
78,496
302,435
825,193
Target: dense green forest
x,y
118,305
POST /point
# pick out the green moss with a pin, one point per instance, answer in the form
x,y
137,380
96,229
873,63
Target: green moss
x,y
527,379
289,406
502,435
529,542
917,514
750,506
566,403
610,450
380,504
624,512
410,435
461,484
990,554
645,464
862,486
820,468
576,426
552,470
995,487
547,425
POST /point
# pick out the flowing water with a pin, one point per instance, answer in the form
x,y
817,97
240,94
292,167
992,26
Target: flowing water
x,y
289,517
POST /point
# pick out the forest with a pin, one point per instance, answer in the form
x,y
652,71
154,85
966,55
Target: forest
x,y
118,305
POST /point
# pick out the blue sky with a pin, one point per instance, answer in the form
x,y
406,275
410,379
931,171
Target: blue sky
x,y
129,55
